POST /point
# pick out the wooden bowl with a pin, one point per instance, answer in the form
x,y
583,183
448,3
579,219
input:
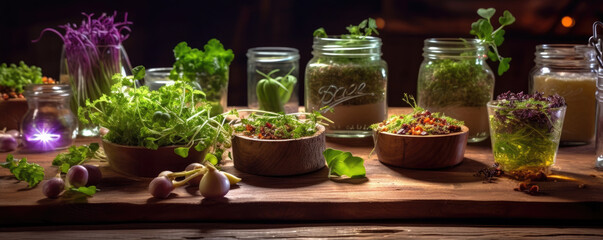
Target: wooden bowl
x,y
284,157
421,152
144,162
12,112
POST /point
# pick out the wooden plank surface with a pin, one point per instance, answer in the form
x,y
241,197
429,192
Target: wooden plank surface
x,y
386,193
301,231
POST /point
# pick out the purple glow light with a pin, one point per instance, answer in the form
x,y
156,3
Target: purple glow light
x,y
44,138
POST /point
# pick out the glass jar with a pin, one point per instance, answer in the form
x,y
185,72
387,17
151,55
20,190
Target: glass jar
x,y
522,143
346,81
569,70
154,78
283,63
49,123
88,70
454,79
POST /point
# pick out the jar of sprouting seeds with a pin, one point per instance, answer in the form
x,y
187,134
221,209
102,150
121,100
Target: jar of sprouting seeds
x,y
272,76
454,79
347,81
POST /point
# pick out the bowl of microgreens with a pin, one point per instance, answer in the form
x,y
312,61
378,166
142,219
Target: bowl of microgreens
x,y
525,130
277,144
13,80
420,140
152,131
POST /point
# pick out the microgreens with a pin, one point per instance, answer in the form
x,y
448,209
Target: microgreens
x,y
485,32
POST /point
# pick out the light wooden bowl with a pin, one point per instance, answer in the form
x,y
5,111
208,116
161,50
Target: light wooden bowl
x,y
284,157
421,152
144,162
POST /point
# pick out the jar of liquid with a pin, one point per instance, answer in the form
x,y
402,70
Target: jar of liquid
x,y
49,123
271,65
570,71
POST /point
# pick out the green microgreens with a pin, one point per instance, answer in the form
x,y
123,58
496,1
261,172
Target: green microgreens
x,y
485,32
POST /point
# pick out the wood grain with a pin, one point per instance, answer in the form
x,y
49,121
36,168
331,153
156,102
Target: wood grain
x,y
354,230
284,157
386,193
421,152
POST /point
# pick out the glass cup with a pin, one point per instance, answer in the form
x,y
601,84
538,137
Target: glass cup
x,y
525,140
157,77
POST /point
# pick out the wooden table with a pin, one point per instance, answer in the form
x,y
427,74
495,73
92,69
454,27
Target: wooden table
x,y
400,197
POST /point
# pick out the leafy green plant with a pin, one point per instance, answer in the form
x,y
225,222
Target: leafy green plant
x,y
14,78
274,93
75,156
485,32
207,67
366,28
131,115
29,172
342,163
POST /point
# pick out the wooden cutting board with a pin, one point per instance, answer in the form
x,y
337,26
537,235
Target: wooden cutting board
x,y
386,193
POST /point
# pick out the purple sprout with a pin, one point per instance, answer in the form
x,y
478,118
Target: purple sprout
x,y
93,54
536,115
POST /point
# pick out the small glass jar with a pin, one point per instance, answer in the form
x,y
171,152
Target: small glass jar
x,y
346,81
454,79
283,63
156,77
570,71
522,143
49,123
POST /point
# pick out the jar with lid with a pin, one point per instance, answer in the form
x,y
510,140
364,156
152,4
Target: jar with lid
x,y
155,78
277,66
570,71
346,80
454,79
49,123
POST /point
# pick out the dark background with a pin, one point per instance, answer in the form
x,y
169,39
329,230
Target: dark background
x,y
243,24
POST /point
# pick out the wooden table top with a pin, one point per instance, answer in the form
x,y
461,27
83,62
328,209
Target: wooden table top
x,y
387,193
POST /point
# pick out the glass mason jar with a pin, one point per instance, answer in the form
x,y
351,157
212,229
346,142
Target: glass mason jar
x,y
570,71
283,63
215,87
454,79
346,81
88,70
525,140
49,123
155,78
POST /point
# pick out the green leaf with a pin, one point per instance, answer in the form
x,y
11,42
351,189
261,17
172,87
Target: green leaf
x,y
23,171
486,13
182,151
65,167
75,155
88,191
506,19
485,29
372,23
211,159
344,164
503,66
138,72
492,56
499,37
363,23
320,33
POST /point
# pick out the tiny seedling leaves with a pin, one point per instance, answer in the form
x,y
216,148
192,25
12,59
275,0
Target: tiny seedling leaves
x,y
138,72
506,19
486,13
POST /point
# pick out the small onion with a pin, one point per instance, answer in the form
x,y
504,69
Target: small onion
x,y
94,175
161,187
77,176
14,133
7,143
214,184
53,187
